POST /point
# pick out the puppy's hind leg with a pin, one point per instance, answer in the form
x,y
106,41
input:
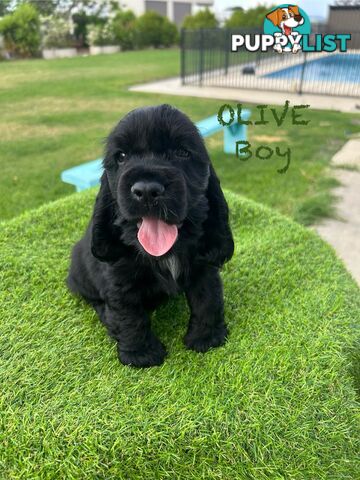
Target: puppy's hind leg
x,y
99,308
97,304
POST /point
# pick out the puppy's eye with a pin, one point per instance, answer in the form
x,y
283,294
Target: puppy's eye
x,y
284,17
120,157
182,153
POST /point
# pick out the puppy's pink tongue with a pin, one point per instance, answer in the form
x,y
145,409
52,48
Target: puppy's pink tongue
x,y
156,237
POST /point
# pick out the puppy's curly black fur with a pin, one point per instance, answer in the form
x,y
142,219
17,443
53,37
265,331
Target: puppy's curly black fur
x,y
111,269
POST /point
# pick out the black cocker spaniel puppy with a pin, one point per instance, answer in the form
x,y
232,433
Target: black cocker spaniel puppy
x,y
160,227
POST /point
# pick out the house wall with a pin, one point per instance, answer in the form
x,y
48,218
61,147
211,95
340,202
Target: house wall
x,y
158,6
181,10
175,10
345,20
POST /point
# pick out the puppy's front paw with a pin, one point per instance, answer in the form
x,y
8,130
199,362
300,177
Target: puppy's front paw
x,y
203,341
150,355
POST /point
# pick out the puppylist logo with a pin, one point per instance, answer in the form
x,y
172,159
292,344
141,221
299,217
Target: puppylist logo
x,y
287,29
287,24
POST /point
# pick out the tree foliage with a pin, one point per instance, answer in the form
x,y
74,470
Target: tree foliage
x,y
44,7
4,7
21,31
123,26
66,7
154,30
253,17
100,35
56,32
203,19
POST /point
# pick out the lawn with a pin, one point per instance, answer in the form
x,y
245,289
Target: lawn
x,y
55,114
278,401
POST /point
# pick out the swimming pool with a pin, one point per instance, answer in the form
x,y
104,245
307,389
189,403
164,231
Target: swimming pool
x,y
343,68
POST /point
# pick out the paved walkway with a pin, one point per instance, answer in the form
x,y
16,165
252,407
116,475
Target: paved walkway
x,y
344,234
172,86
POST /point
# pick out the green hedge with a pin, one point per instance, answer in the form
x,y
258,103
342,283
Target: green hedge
x,y
251,18
123,27
202,19
154,30
278,401
21,31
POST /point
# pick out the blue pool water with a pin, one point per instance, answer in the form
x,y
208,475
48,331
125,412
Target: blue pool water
x,y
334,68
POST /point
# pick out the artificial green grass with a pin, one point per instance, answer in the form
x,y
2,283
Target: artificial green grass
x,y
55,114
278,401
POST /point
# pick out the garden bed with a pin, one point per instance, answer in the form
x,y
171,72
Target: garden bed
x,y
106,49
277,401
51,53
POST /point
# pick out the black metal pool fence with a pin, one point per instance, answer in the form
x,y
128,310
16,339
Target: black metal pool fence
x,y
207,60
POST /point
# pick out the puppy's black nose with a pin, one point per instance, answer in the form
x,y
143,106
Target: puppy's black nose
x,y
298,18
147,191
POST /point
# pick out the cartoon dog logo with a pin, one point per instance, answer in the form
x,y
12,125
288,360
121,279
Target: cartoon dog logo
x,y
286,19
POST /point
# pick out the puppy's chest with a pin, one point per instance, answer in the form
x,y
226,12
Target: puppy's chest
x,y
168,273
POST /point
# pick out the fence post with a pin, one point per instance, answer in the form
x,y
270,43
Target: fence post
x,y
227,50
302,74
182,56
201,66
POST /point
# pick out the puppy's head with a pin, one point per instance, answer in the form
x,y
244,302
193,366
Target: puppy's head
x,y
156,169
286,18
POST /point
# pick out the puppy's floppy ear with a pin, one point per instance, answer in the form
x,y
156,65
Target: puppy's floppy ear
x,y
275,17
217,245
294,9
105,236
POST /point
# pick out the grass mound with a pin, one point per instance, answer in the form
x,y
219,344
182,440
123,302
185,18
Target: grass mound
x,y
278,401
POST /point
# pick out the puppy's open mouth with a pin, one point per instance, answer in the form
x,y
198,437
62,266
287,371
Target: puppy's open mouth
x,y
155,236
